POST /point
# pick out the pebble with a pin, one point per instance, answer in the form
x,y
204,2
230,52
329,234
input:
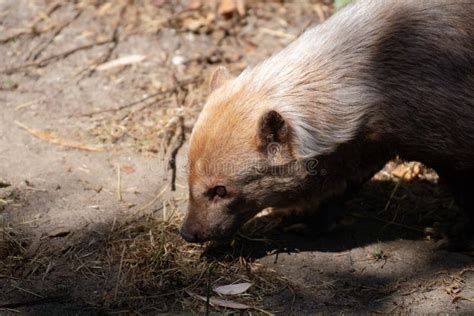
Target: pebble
x,y
178,60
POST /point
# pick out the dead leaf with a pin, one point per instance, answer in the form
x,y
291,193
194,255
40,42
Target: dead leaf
x,y
59,232
122,61
233,289
219,302
278,33
406,171
400,171
416,169
53,139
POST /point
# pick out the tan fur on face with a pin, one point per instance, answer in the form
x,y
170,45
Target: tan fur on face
x,y
224,144
224,135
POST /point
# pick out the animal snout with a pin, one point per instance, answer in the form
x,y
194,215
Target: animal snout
x,y
190,234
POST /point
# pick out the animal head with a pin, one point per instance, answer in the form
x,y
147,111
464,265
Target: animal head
x,y
250,145
241,160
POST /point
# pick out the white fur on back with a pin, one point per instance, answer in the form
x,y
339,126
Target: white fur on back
x,y
317,82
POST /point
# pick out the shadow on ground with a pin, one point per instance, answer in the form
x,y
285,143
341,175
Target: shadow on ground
x,y
383,211
377,260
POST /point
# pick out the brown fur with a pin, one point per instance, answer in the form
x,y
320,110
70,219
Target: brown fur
x,y
414,75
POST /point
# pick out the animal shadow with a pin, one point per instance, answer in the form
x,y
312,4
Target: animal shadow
x,y
382,211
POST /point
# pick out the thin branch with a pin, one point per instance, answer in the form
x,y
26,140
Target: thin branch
x,y
43,62
174,153
148,97
40,48
32,28
53,139
114,39
39,301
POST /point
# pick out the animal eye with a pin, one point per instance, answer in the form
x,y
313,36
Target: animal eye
x,y
220,191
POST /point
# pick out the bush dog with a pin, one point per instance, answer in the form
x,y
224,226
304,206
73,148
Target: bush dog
x,y
313,122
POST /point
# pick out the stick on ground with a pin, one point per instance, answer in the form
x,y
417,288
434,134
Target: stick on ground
x,y
53,139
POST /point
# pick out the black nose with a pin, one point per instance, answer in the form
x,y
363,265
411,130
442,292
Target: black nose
x,y
189,235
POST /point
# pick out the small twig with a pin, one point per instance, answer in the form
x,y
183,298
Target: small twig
x,y
17,34
27,291
126,105
278,33
36,189
181,135
392,194
185,289
152,201
263,311
397,224
39,49
320,13
208,290
393,309
43,62
56,5
164,211
119,184
114,222
33,302
75,49
28,104
3,276
148,97
119,274
253,239
52,139
48,268
174,152
10,310
32,28
115,41
410,292
141,108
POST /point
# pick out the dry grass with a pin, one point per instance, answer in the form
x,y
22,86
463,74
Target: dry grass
x,y
153,267
150,124
156,263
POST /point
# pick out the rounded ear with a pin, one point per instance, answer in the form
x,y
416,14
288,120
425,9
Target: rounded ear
x,y
218,77
273,128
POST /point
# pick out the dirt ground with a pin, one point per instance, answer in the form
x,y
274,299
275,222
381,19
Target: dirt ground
x,y
90,203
